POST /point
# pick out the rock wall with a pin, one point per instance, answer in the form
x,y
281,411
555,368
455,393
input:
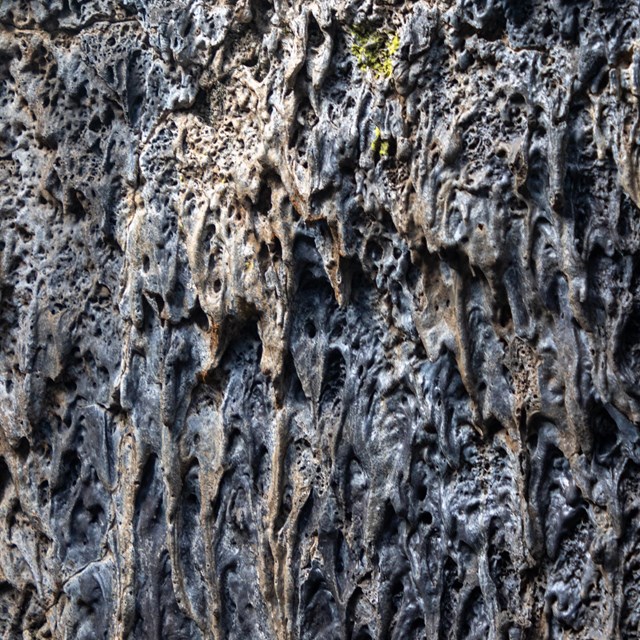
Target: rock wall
x,y
319,319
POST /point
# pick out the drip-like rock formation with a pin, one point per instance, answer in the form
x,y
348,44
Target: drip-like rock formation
x,y
319,320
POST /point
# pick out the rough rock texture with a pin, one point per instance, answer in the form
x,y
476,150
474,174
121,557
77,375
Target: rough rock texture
x,y
319,319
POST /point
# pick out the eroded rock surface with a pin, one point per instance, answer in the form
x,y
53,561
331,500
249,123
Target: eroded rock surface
x,y
319,319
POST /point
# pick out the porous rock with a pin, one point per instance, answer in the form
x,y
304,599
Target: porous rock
x,y
319,319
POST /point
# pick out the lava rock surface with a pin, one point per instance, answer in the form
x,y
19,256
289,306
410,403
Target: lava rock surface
x,y
320,319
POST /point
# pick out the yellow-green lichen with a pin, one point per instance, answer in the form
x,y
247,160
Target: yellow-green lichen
x,y
379,145
374,50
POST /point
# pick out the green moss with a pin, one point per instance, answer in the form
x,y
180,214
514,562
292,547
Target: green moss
x,y
374,50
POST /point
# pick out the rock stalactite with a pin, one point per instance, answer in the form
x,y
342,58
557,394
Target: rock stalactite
x,y
320,320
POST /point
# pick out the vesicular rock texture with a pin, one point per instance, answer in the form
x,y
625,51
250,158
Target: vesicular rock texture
x,y
319,319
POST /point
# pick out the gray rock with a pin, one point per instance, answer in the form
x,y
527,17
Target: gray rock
x,y
319,320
